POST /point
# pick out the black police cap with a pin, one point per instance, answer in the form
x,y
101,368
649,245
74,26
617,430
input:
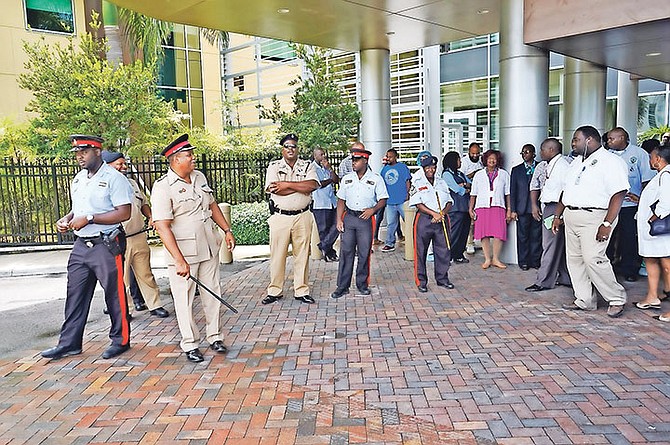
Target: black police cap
x,y
290,136
179,144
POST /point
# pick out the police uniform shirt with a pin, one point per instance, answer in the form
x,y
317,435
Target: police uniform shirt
x,y
324,197
482,189
554,175
639,170
187,205
591,182
101,193
423,192
136,222
279,170
363,193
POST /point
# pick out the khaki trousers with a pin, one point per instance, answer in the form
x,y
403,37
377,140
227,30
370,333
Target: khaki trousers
x,y
588,264
138,256
297,230
183,292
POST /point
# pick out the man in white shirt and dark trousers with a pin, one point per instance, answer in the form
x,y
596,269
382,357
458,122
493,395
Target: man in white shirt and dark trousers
x,y
547,185
595,186
324,205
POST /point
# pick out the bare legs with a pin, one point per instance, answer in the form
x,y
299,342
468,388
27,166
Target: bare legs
x,y
494,259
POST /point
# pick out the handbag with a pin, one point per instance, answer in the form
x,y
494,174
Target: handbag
x,y
659,226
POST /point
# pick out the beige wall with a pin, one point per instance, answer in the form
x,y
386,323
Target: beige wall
x,y
211,83
13,33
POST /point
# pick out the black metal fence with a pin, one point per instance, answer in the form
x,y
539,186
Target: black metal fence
x,y
33,195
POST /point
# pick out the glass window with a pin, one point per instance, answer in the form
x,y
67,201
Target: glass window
x,y
197,109
193,37
194,69
652,112
50,15
556,60
495,126
612,83
495,92
176,37
610,113
462,96
554,129
468,43
651,86
555,85
495,60
276,50
463,65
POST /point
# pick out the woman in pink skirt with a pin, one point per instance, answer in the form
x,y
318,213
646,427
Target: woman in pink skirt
x,y
490,207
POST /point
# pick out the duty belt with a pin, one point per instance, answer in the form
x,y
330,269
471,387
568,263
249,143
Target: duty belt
x,y
291,212
355,212
586,209
91,241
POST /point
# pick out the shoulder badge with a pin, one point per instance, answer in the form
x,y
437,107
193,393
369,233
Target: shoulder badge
x,y
422,188
370,182
348,181
633,159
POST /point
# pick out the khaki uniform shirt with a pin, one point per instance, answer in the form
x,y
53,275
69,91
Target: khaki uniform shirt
x,y
280,171
136,221
187,205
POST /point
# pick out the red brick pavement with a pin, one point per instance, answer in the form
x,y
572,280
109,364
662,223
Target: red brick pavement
x,y
486,363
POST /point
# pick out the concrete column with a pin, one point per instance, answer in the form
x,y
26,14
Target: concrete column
x,y
376,104
583,97
524,97
431,104
626,106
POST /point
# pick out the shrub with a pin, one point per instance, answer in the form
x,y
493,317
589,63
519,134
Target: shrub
x,y
250,223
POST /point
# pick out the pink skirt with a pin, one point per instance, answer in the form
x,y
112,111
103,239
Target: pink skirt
x,y
491,222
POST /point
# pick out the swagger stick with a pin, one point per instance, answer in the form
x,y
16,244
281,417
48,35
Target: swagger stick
x,y
444,226
218,297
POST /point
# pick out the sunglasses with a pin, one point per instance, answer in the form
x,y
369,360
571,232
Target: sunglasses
x,y
290,146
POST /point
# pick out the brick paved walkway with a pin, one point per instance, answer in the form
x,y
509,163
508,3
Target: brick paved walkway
x,y
486,363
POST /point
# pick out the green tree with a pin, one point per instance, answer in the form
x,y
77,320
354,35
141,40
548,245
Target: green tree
x,y
77,92
321,115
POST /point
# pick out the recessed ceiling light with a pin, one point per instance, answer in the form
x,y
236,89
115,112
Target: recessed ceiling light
x,y
283,11
390,33
652,54
483,11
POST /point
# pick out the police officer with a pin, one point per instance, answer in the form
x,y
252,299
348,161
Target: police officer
x,y
431,196
185,216
101,200
290,182
138,253
362,193
594,188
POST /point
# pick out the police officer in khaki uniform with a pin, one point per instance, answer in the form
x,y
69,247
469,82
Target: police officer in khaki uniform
x,y
290,182
185,216
138,253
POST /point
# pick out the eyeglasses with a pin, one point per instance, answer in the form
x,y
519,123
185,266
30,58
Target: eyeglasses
x,y
290,146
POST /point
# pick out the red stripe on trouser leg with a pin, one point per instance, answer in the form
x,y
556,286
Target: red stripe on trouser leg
x,y
374,222
123,304
416,271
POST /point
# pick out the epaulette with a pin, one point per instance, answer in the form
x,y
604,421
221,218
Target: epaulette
x,y
161,178
275,162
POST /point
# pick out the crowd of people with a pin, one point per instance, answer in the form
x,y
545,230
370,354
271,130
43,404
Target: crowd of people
x,y
581,219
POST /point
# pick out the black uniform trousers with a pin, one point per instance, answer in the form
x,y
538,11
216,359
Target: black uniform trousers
x,y
623,250
86,266
528,240
459,229
356,242
553,267
326,223
425,232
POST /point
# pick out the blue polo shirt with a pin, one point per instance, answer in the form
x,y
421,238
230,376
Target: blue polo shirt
x,y
639,170
396,177
323,197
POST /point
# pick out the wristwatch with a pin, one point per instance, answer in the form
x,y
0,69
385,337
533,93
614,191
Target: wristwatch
x,y
607,224
89,218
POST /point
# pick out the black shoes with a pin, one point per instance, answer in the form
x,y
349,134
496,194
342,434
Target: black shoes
x,y
159,312
422,288
59,352
524,266
140,307
447,285
631,278
271,299
217,346
364,291
461,260
305,299
339,293
330,257
115,350
535,288
195,355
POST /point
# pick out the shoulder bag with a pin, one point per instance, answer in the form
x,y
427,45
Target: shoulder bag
x,y
659,226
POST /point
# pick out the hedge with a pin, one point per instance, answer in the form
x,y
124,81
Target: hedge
x,y
250,223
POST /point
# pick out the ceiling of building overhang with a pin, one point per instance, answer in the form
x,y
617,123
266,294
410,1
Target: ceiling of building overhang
x,y
402,25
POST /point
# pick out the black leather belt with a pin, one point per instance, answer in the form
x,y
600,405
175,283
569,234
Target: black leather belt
x,y
91,241
586,209
291,212
356,213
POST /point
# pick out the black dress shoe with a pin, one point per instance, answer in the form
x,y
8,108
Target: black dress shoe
x,y
140,307
115,350
105,310
631,278
461,260
305,299
195,356
422,288
339,293
535,288
524,266
332,257
271,299
364,291
159,312
447,285
217,346
59,352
